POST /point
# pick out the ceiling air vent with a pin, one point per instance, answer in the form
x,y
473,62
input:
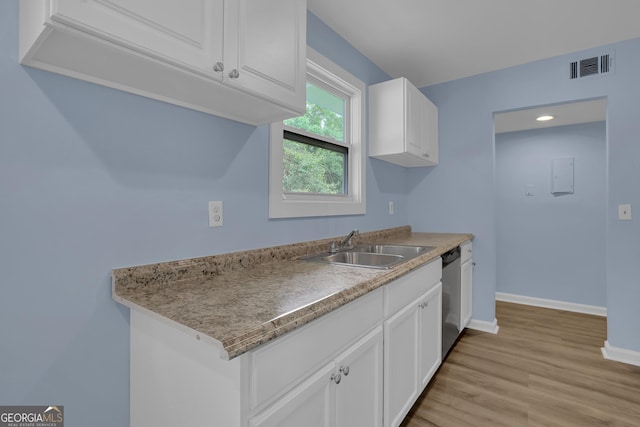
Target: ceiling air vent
x,y
590,66
574,70
604,64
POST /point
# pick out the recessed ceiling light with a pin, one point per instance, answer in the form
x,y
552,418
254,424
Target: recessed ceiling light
x,y
545,118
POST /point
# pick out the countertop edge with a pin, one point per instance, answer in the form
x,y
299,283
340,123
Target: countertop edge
x,y
177,325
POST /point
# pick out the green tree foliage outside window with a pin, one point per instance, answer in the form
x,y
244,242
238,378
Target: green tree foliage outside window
x,y
310,169
321,121
314,169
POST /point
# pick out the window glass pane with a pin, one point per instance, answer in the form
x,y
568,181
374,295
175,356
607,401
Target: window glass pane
x,y
324,116
312,169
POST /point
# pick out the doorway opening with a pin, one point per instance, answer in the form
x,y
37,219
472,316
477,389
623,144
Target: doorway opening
x,y
550,200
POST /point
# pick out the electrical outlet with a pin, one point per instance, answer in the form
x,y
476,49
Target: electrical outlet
x,y
391,208
215,214
624,212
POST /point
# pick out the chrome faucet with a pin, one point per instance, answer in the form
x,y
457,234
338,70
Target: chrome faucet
x,y
344,243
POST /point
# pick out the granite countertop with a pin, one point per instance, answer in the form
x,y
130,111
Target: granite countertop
x,y
240,300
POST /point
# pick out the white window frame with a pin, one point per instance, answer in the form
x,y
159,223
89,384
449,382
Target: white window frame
x,y
293,205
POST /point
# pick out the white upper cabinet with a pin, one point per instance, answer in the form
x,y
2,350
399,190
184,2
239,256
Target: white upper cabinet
x,y
431,148
240,59
403,124
176,32
268,49
415,113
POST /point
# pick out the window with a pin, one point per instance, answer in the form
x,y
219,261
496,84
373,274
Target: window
x,y
317,161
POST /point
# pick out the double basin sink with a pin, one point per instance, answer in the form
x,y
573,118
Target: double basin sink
x,y
371,255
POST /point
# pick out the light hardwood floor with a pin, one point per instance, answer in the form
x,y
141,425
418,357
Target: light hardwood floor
x,y
543,368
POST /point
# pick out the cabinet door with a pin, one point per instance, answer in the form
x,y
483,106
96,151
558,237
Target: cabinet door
x,y
401,355
186,33
416,121
431,132
265,50
359,394
430,334
466,292
309,404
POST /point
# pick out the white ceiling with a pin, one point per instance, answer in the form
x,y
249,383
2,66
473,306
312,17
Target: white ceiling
x,y
564,114
433,41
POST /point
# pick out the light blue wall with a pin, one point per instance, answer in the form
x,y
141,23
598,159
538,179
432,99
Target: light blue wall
x,y
458,194
548,246
92,179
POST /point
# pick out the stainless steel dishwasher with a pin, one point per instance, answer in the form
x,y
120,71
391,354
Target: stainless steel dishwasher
x,y
451,290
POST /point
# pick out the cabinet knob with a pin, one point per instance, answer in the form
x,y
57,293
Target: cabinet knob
x,y
234,74
344,370
427,155
336,378
219,67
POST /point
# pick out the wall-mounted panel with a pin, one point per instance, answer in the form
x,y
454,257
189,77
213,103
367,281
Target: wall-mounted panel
x,y
562,176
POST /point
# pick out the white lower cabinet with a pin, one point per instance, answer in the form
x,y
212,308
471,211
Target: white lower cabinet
x,y
309,404
346,392
359,393
413,343
401,363
430,335
466,283
363,364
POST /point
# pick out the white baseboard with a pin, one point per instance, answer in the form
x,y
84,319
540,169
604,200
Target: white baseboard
x,y
484,326
549,303
620,354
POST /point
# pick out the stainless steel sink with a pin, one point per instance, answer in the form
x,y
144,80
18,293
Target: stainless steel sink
x,y
404,250
365,258
371,255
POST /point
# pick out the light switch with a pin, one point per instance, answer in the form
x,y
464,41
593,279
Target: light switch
x,y
624,212
529,190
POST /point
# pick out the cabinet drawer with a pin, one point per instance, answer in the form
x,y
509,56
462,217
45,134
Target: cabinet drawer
x,y
279,365
466,251
410,287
